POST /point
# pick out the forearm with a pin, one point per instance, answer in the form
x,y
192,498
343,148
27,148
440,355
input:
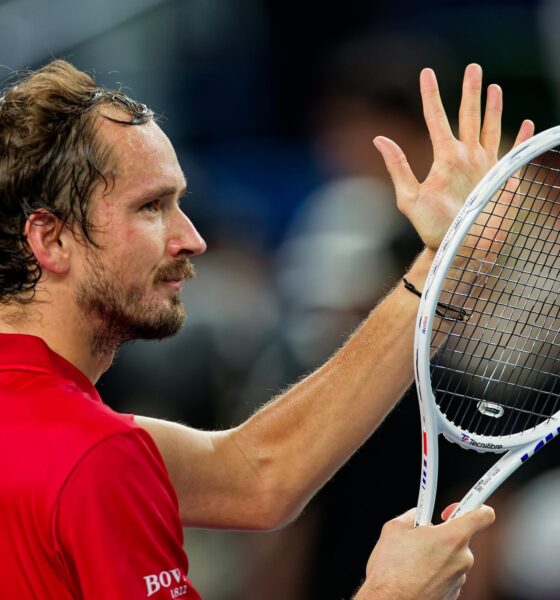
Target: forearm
x,y
300,439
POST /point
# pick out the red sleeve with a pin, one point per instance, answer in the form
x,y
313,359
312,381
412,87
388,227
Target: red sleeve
x,y
117,524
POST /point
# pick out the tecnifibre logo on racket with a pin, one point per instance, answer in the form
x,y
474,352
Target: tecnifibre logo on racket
x,y
467,439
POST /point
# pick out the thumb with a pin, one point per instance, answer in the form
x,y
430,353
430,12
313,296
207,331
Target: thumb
x,y
406,184
473,521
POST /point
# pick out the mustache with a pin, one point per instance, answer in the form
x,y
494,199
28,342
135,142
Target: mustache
x,y
183,269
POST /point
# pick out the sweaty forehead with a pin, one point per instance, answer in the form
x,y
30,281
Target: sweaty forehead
x,y
141,153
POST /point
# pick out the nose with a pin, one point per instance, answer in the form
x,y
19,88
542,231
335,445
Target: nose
x,y
185,238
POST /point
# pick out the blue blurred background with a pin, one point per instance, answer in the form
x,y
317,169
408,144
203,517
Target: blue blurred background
x,y
272,107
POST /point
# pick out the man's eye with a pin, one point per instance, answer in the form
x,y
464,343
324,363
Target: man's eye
x,y
153,206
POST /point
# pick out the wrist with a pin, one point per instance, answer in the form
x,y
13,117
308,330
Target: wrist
x,y
418,272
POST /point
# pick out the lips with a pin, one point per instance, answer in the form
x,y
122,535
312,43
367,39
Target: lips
x,y
175,283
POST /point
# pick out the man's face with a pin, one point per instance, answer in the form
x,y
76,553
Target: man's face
x,y
129,287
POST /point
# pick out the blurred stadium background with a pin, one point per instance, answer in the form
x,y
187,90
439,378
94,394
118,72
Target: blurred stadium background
x,y
272,107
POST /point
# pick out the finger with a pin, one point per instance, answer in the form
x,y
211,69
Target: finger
x,y
492,128
434,113
526,131
473,521
447,512
406,184
469,111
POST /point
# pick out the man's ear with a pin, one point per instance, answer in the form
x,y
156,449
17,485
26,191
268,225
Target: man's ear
x,y
44,232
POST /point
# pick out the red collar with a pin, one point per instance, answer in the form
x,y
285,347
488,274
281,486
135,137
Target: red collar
x,y
22,352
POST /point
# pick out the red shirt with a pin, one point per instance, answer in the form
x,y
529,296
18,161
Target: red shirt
x,y
87,509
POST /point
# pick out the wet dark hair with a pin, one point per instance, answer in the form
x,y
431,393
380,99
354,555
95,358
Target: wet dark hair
x,y
51,159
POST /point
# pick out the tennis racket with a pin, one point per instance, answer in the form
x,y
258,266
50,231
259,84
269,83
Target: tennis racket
x,y
487,341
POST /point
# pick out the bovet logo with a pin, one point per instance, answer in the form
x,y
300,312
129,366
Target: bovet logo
x,y
165,579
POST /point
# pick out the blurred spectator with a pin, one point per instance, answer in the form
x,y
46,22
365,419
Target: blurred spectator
x,y
529,544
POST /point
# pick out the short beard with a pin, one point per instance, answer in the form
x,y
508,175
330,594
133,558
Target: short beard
x,y
122,314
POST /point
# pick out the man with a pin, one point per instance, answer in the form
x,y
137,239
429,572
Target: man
x,y
93,250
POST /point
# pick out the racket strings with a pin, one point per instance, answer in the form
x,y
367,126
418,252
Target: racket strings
x,y
531,365
519,376
495,373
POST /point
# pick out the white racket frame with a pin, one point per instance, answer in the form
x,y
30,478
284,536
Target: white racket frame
x,y
518,447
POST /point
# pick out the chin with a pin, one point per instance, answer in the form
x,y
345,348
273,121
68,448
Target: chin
x,y
166,323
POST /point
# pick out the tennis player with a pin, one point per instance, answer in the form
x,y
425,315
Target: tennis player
x,y
93,252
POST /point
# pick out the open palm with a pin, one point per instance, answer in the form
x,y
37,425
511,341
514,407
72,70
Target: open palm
x,y
459,163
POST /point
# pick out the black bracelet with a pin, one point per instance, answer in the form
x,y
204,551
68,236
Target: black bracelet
x,y
411,288
461,313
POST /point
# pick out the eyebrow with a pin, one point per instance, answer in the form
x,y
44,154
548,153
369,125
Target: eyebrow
x,y
160,192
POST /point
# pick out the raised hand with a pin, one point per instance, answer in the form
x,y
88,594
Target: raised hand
x,y
459,163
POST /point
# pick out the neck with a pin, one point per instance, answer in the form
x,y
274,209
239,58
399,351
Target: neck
x,y
76,342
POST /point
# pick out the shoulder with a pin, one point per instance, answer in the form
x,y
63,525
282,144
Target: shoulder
x,y
116,523
121,463
48,426
122,486
106,447
125,455
79,417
